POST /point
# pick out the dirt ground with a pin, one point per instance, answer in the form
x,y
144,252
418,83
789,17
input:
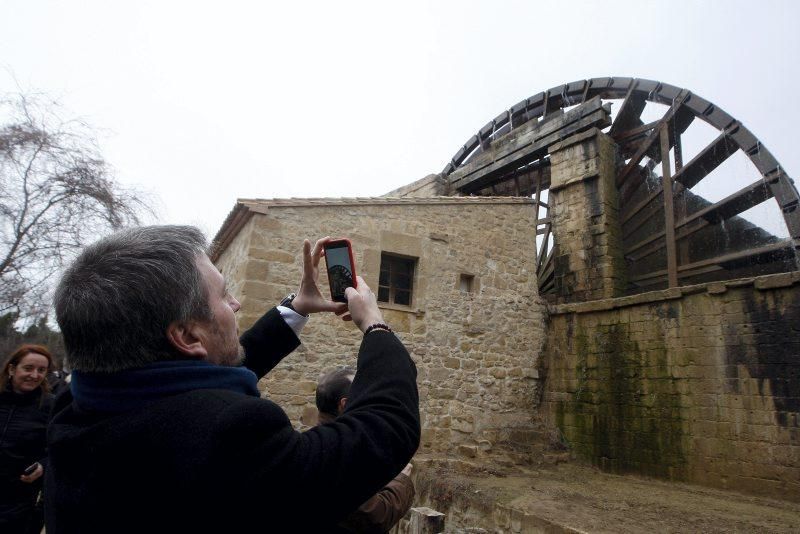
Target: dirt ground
x,y
570,498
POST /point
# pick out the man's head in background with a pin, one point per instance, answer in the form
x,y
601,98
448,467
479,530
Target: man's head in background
x,y
332,391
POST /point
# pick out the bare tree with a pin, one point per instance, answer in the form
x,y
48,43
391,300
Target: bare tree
x,y
56,193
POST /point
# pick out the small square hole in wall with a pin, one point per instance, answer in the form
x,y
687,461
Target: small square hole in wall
x,y
466,283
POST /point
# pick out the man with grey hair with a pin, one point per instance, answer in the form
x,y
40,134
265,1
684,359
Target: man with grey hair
x,y
166,431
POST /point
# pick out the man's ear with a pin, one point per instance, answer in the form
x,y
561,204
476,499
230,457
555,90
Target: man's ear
x,y
183,336
341,405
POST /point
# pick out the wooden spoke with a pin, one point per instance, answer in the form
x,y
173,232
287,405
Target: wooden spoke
x,y
706,161
628,116
651,138
728,207
740,201
781,249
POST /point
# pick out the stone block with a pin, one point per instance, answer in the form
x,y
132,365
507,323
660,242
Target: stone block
x,y
452,363
469,451
499,373
775,281
277,256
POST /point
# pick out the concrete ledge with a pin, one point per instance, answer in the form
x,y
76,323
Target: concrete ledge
x,y
762,283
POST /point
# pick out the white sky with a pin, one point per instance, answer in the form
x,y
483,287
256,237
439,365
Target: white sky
x,y
200,103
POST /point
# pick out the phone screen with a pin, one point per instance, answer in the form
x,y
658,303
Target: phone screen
x,y
338,258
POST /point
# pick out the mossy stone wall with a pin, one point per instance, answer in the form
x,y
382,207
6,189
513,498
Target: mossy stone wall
x,y
698,384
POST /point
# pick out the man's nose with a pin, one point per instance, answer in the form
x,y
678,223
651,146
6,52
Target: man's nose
x,y
235,305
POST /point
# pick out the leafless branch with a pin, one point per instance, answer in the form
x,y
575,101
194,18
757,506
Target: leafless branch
x,y
56,194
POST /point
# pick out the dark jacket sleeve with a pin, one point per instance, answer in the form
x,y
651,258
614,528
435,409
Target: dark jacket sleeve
x,y
337,466
267,342
383,510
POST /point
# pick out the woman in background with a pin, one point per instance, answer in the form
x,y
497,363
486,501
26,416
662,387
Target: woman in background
x,y
25,404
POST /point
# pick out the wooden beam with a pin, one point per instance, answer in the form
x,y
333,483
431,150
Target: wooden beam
x,y
546,269
733,257
669,209
546,229
656,277
640,131
706,161
528,146
651,138
629,214
677,125
734,204
782,247
630,252
628,116
730,206
538,170
543,249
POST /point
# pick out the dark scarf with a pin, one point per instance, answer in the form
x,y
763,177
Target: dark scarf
x,y
135,388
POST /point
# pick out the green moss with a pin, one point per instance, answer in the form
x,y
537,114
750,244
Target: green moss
x,y
622,418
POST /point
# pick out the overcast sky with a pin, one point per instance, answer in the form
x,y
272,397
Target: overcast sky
x,y
201,103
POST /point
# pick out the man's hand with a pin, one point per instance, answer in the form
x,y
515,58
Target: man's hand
x,y
309,299
362,305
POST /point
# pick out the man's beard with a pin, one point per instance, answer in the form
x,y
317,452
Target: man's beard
x,y
228,351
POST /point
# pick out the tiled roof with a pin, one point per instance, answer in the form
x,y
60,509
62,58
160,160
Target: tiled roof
x,y
369,201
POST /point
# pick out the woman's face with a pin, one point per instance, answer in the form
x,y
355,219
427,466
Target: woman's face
x,y
29,373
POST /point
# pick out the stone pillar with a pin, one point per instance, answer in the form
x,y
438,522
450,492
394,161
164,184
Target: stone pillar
x,y
584,210
426,521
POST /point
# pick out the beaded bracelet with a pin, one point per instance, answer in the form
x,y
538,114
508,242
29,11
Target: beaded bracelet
x,y
377,326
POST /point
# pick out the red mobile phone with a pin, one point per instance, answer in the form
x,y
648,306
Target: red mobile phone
x,y
341,267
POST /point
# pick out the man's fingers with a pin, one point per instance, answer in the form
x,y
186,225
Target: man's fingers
x,y
330,306
318,251
307,258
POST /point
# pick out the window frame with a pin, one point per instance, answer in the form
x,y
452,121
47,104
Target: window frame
x,y
410,264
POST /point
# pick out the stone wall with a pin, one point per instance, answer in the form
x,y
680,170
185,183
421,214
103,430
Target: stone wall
x,y
584,208
476,352
698,383
430,186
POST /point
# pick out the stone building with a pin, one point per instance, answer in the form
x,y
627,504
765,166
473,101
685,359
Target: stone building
x,y
473,322
571,290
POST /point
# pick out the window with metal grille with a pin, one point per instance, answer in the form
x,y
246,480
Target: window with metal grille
x,y
396,281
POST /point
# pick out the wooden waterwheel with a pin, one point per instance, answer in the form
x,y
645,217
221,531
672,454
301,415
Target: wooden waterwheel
x,y
670,239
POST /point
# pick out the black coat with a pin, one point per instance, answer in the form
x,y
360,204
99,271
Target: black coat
x,y
218,461
23,426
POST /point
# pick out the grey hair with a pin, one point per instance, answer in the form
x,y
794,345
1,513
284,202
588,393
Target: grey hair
x,y
116,300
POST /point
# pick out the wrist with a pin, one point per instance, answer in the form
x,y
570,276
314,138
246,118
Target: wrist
x,y
377,326
296,304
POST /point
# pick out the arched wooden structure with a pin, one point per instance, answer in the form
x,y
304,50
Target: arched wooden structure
x,y
510,155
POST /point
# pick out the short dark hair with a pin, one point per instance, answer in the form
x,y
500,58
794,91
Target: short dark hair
x,y
116,300
332,387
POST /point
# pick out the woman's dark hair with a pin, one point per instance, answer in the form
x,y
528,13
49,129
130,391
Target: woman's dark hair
x,y
16,357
